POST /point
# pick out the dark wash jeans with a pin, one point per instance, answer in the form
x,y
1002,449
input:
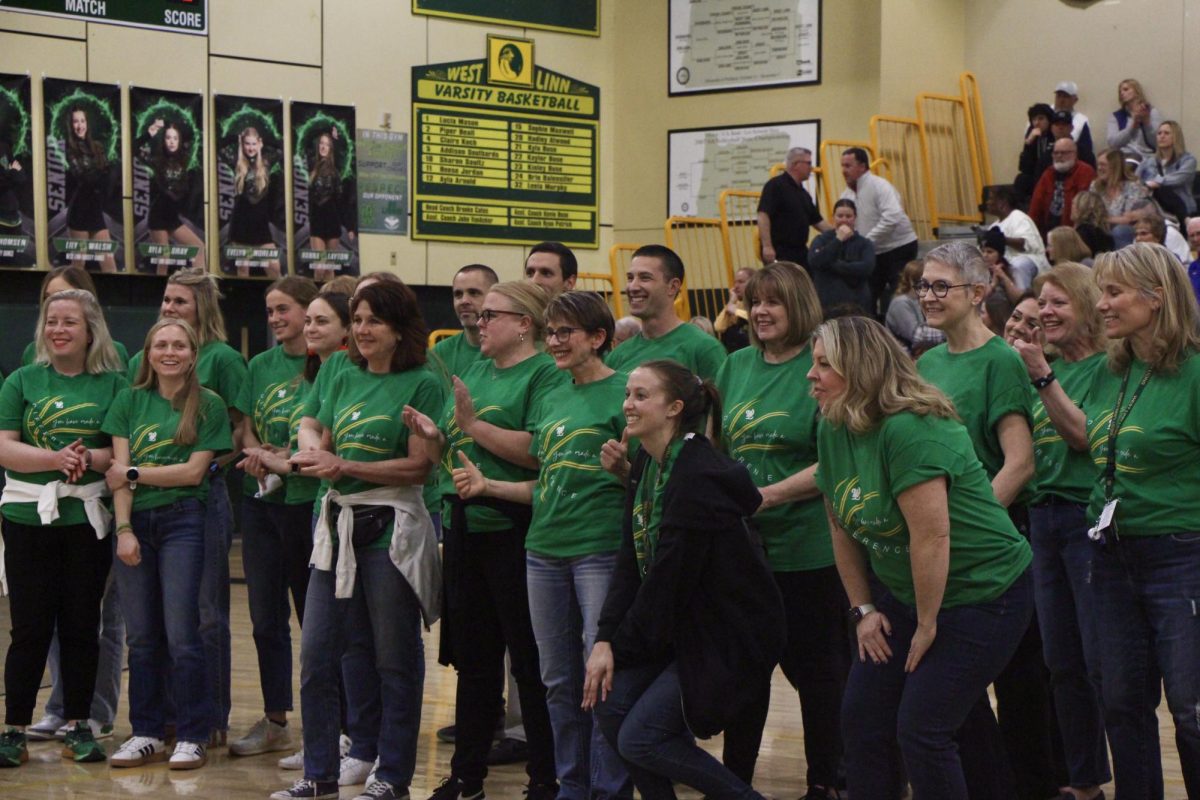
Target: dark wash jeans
x,y
924,709
642,719
1066,612
1147,591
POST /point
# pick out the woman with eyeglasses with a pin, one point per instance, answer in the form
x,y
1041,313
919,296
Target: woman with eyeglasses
x,y
1072,329
988,385
490,421
936,573
771,429
571,548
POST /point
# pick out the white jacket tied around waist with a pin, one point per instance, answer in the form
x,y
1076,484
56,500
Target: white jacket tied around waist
x,y
414,547
46,496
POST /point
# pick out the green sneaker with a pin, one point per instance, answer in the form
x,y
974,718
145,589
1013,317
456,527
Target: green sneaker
x,y
80,745
13,752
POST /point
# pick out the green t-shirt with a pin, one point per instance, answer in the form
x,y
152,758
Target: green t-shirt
x,y
576,504
362,413
267,398
1060,470
148,421
507,398
770,425
985,384
51,411
220,368
333,366
453,356
30,353
686,343
299,489
1158,449
862,475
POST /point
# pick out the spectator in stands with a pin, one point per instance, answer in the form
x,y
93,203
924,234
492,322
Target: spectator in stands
x,y
905,319
627,328
705,324
1023,248
1066,95
1132,126
1023,323
996,310
1091,222
1170,171
553,266
880,218
1116,183
786,211
732,324
842,261
1193,232
1064,244
1061,127
1038,144
1161,230
992,246
1056,189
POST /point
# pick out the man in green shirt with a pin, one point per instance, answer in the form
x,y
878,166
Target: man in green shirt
x,y
552,266
452,356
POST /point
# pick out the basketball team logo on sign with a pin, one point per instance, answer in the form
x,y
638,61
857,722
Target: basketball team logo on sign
x,y
510,61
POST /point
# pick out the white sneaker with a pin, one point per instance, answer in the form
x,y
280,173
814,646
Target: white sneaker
x,y
188,755
294,761
354,771
99,730
344,746
371,776
138,750
46,729
265,737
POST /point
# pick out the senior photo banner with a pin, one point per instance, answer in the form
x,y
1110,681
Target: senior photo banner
x,y
168,179
251,208
85,209
324,190
17,244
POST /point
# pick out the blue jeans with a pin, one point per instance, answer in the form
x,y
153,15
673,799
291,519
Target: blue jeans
x,y
643,719
1062,591
162,621
214,599
112,657
1147,591
383,614
883,704
276,547
565,599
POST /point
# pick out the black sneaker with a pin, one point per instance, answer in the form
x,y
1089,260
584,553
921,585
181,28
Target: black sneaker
x,y
305,789
453,789
508,751
382,790
541,791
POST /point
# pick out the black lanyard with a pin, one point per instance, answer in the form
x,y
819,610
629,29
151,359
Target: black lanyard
x,y
1114,427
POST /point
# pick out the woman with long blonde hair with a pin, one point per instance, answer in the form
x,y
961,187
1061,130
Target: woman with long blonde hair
x,y
1170,171
166,432
1064,245
249,224
1131,127
913,514
1089,215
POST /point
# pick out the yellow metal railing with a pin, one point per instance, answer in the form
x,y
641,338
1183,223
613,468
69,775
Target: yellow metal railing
x,y
739,228
698,241
605,286
831,156
899,141
974,102
954,162
618,260
442,333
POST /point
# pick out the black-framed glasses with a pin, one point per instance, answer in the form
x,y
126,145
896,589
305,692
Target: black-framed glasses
x,y
939,288
489,314
562,334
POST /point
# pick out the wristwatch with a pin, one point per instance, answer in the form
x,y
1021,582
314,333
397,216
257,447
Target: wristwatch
x,y
858,612
132,474
1044,381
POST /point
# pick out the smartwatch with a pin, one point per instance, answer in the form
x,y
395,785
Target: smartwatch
x,y
857,613
132,474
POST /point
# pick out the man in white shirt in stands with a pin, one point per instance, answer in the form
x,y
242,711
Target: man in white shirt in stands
x,y
1066,95
1024,250
881,219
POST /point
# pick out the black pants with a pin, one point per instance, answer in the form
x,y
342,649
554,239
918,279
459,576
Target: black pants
x,y
490,613
816,662
56,576
888,267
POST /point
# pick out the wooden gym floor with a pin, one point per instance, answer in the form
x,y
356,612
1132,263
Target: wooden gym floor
x,y
780,765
